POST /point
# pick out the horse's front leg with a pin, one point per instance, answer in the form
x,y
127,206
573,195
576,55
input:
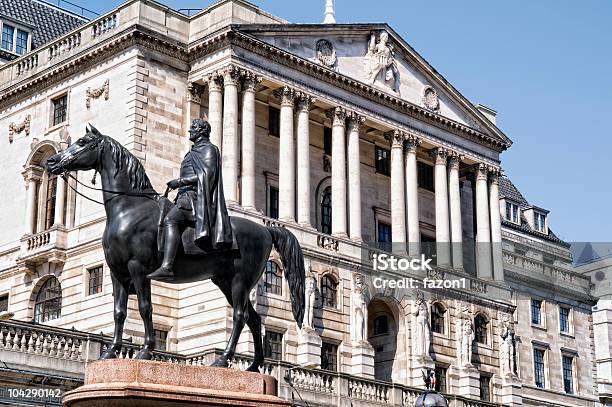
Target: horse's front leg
x,y
143,292
120,292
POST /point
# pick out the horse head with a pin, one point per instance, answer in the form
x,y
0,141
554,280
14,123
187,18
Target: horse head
x,y
81,155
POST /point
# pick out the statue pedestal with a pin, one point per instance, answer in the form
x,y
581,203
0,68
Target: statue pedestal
x,y
123,382
511,392
362,359
309,348
469,382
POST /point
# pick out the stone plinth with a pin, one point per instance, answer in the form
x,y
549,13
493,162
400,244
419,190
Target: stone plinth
x,y
362,360
309,348
129,382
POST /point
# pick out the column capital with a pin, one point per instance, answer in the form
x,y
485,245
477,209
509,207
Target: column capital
x,y
32,173
214,80
354,121
494,174
286,95
337,116
194,92
454,159
412,142
304,101
481,171
396,138
231,75
250,80
440,154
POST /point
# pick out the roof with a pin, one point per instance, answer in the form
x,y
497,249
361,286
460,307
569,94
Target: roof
x,y
47,21
509,191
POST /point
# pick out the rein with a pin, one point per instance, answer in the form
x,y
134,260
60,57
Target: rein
x,y
66,175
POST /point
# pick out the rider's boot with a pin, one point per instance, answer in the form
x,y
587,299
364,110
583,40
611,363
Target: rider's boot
x,y
172,240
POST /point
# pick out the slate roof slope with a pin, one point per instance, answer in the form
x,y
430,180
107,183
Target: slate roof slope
x,y
508,190
49,22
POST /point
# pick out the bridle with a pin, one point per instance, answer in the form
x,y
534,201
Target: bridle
x,y
97,144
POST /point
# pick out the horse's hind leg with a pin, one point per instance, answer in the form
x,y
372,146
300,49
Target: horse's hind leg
x,y
240,301
254,323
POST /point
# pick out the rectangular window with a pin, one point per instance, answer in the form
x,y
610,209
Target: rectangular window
x,y
327,140
539,221
95,280
273,207
274,121
564,315
60,107
273,345
21,45
384,232
485,388
161,339
383,160
538,367
425,176
440,375
568,372
8,32
329,356
50,202
512,212
536,312
4,302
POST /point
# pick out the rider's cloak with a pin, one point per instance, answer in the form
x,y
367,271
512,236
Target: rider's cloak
x,y
213,229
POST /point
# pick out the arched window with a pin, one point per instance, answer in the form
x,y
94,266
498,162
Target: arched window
x,y
437,318
50,200
326,211
381,325
480,329
329,289
48,304
273,278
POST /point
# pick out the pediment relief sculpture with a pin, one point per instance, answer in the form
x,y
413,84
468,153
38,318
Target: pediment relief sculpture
x,y
430,99
326,54
379,63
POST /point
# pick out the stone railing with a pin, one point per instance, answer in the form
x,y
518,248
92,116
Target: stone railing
x,y
47,246
64,45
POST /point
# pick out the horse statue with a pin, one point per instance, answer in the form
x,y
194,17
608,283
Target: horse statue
x,y
131,247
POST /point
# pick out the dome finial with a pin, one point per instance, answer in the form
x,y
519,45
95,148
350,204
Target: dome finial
x,y
329,12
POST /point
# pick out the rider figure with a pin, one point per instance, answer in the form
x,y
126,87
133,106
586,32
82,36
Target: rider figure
x,y
200,200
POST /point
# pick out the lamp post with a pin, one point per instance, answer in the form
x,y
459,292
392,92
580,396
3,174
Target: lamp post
x,y
430,397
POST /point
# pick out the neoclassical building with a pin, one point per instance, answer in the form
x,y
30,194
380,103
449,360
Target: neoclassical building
x,y
341,133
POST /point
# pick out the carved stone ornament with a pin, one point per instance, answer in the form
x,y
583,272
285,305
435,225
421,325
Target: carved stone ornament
x,y
194,92
96,93
430,99
326,54
379,62
19,127
360,297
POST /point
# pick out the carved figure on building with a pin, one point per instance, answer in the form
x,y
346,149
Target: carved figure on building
x,y
326,54
422,338
465,337
380,62
309,303
430,99
507,346
360,297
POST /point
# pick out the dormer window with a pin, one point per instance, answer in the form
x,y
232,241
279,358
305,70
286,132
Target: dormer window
x,y
539,222
14,39
512,212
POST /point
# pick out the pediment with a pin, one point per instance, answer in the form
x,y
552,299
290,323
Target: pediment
x,y
375,55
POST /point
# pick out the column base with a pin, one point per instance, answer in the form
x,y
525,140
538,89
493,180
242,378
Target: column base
x,y
309,348
362,360
340,235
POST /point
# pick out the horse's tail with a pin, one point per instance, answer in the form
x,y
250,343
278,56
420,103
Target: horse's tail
x,y
290,252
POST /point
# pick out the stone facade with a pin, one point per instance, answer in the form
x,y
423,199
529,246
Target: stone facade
x,y
293,126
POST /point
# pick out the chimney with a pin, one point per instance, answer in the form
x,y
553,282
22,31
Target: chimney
x,y
488,112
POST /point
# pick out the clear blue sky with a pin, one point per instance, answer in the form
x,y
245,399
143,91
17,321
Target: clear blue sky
x,y
545,66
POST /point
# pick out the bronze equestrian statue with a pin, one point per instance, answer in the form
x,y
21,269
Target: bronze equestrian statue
x,y
232,252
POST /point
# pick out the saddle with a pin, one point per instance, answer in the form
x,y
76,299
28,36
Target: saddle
x,y
187,237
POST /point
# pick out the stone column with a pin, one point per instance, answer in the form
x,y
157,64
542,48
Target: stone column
x,y
60,202
455,210
230,153
483,231
194,100
31,206
398,193
412,195
441,203
286,171
496,238
215,108
338,117
303,159
354,176
247,178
